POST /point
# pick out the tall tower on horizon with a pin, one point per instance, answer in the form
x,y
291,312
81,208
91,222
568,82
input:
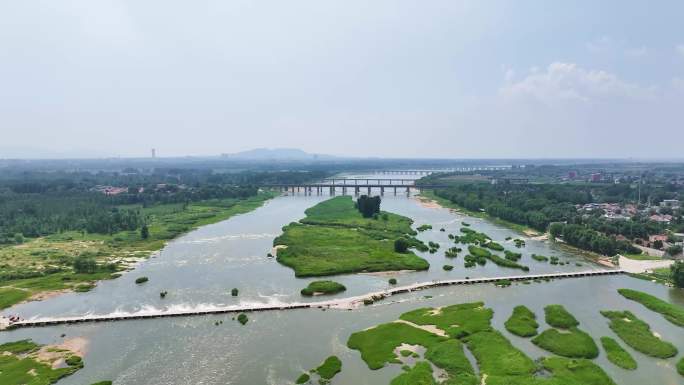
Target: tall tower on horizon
x,y
154,153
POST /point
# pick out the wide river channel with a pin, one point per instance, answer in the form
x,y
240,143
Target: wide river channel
x,y
199,269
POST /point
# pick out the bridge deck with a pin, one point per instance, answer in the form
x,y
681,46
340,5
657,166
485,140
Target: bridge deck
x,y
343,303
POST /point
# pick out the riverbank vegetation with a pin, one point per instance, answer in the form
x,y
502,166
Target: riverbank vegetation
x,y
672,313
449,355
522,322
323,287
335,238
419,374
637,334
65,260
25,362
617,354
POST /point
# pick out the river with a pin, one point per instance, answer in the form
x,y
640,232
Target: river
x,y
200,268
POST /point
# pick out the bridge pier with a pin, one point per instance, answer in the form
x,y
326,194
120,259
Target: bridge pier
x,y
356,190
369,192
382,191
395,191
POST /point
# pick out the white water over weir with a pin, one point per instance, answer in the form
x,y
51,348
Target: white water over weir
x,y
341,303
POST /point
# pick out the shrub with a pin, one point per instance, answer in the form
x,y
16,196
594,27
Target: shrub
x,y
242,318
234,292
163,294
74,361
303,379
140,280
323,287
447,267
401,245
84,265
392,281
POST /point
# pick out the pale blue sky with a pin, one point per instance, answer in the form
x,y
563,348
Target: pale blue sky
x,y
452,79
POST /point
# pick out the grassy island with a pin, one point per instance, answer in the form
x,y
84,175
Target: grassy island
x,y
469,324
617,354
637,334
456,320
680,366
523,322
572,343
329,368
558,317
323,287
335,238
672,313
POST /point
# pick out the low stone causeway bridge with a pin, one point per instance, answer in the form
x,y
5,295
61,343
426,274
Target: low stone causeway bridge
x,y
341,303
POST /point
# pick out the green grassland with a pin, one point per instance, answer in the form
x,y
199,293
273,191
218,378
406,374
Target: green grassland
x,y
20,365
617,354
449,355
420,374
558,317
339,240
323,287
572,343
637,334
522,323
46,263
680,366
456,320
377,344
499,362
329,368
672,313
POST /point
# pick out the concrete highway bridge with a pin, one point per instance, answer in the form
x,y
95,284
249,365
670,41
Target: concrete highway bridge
x,y
342,303
355,185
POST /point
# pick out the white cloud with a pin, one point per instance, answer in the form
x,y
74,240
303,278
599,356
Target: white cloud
x,y
570,82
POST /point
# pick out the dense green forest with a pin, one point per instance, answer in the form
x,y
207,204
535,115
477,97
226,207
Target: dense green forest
x,y
35,204
540,205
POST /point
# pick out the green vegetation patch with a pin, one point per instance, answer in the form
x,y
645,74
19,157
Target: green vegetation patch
x,y
323,287
680,366
572,343
17,347
497,357
523,322
558,317
10,296
567,371
420,374
672,313
617,354
336,239
449,355
456,320
20,365
377,344
303,379
329,368
480,252
637,334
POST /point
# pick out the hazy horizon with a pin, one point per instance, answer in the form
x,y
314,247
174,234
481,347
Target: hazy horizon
x,y
406,79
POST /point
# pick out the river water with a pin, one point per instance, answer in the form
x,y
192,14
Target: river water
x,y
199,269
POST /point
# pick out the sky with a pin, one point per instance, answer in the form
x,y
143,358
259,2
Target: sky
x,y
423,79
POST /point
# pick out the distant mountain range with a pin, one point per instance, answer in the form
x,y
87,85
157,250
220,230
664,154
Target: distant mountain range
x,y
276,154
